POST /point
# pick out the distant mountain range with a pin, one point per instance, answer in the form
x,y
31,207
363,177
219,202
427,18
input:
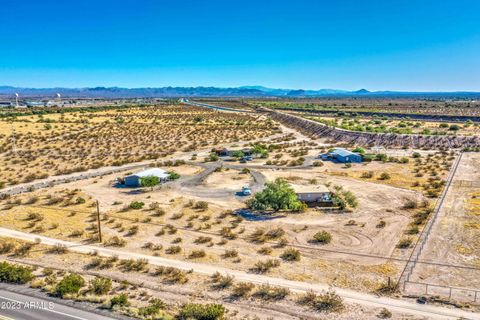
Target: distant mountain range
x,y
244,91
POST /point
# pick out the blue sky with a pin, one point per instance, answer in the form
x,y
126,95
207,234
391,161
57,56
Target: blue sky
x,y
422,45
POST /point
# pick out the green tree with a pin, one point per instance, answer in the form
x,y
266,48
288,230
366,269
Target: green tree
x,y
277,195
261,150
359,150
149,181
238,154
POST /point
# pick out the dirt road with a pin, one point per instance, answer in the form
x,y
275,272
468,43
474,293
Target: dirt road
x,y
429,311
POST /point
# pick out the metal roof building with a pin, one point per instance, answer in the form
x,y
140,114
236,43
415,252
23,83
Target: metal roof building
x,y
311,193
345,156
133,180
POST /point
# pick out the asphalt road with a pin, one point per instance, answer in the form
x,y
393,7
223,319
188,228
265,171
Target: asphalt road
x,y
22,307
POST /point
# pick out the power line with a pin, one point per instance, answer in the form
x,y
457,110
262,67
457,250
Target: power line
x,y
303,248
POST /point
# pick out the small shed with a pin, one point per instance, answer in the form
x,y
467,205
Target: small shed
x,y
312,193
345,156
133,180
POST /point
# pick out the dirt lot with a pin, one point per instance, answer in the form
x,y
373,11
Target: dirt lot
x,y
55,144
144,285
179,220
455,237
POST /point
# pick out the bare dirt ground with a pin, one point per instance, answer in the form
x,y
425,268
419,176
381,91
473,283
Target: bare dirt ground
x,y
364,236
357,243
142,286
455,237
227,179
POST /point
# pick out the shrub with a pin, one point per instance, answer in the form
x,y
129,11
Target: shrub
x,y
201,205
327,301
267,292
265,250
173,250
80,200
454,127
322,237
6,247
136,205
202,239
171,274
265,266
100,285
359,150
317,163
384,176
115,241
119,300
172,175
133,265
291,255
153,308
410,204
70,284
221,282
242,289
133,230
381,224
211,311
367,175
404,243
12,273
230,253
384,314
197,254
58,249
381,157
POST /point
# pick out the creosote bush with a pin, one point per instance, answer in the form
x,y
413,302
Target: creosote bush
x,y
211,311
13,273
327,301
70,284
322,237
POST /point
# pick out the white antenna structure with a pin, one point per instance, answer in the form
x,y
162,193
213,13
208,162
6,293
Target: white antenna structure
x,y
16,99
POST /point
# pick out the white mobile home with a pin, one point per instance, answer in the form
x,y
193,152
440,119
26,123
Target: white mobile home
x,y
133,180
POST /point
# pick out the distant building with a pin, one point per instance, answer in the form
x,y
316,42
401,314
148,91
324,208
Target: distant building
x,y
35,103
344,156
312,193
134,180
6,104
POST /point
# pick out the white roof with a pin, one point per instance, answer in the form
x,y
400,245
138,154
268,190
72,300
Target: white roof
x,y
157,172
300,188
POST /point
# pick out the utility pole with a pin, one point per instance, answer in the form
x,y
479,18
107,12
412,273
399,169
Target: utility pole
x,y
99,226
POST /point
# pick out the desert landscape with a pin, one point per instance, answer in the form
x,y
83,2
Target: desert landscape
x,y
72,197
